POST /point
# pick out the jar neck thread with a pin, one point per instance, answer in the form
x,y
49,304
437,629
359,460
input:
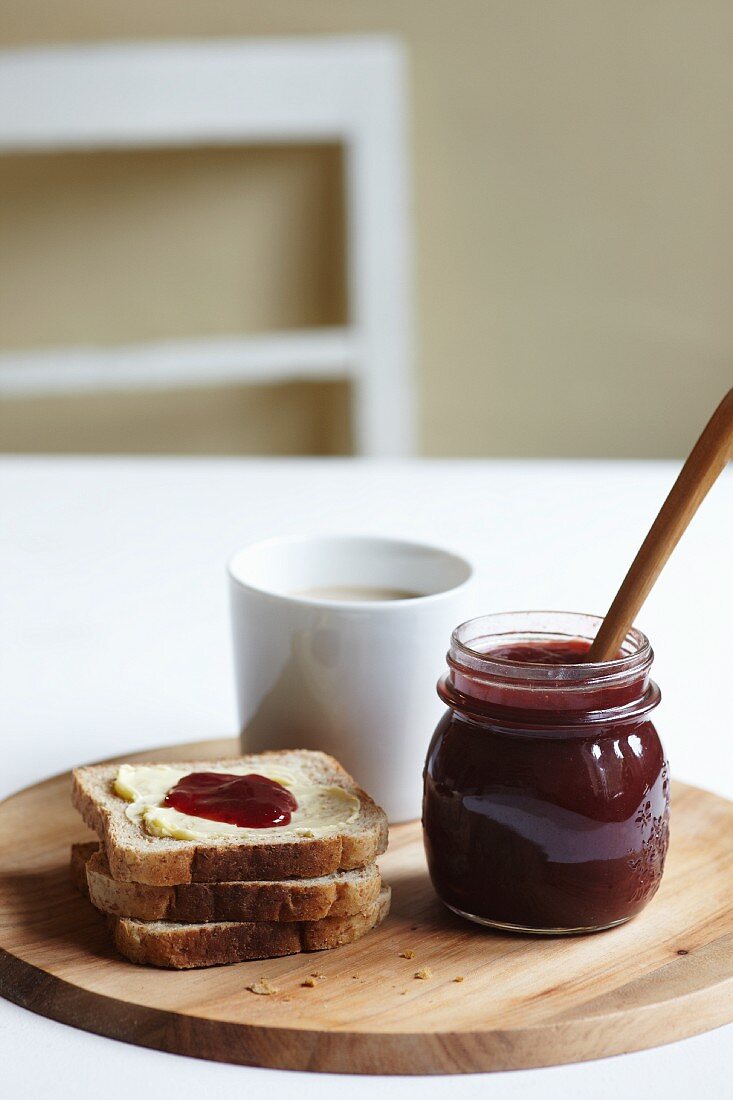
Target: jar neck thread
x,y
549,721
527,669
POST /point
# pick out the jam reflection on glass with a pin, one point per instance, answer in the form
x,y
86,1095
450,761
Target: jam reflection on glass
x,y
546,788
250,801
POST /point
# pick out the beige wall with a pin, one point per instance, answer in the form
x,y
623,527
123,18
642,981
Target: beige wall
x,y
573,167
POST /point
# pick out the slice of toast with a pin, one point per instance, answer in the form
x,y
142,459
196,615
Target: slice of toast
x,y
184,946
135,856
340,894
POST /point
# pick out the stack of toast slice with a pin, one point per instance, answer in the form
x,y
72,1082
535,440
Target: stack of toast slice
x,y
257,894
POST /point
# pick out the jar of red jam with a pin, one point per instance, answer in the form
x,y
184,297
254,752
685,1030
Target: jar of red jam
x,y
546,789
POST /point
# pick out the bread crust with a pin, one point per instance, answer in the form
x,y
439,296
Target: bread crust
x,y
134,856
185,946
80,856
339,895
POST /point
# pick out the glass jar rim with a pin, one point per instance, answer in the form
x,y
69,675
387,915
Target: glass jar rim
x,y
515,627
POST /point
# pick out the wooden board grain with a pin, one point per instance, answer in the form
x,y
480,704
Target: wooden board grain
x,y
522,1002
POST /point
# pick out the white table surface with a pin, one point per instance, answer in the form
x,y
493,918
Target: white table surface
x,y
114,636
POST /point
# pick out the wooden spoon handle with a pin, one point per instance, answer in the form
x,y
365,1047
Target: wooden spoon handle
x,y
705,462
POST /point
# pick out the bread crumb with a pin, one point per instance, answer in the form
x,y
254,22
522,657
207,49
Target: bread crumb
x,y
263,988
357,976
424,974
458,978
407,954
310,982
316,974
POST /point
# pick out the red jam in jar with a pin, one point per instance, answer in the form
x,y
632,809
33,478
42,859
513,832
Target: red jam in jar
x,y
546,789
250,801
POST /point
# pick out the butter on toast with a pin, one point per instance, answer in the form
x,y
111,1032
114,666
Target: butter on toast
x,y
271,855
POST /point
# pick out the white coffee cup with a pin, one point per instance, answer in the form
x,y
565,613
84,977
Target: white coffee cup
x,y
354,677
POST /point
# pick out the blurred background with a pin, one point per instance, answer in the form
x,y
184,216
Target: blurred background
x,y
568,237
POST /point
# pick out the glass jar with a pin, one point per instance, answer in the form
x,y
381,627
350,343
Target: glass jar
x,y
546,789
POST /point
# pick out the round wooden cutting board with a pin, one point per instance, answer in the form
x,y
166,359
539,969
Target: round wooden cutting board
x,y
521,1002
